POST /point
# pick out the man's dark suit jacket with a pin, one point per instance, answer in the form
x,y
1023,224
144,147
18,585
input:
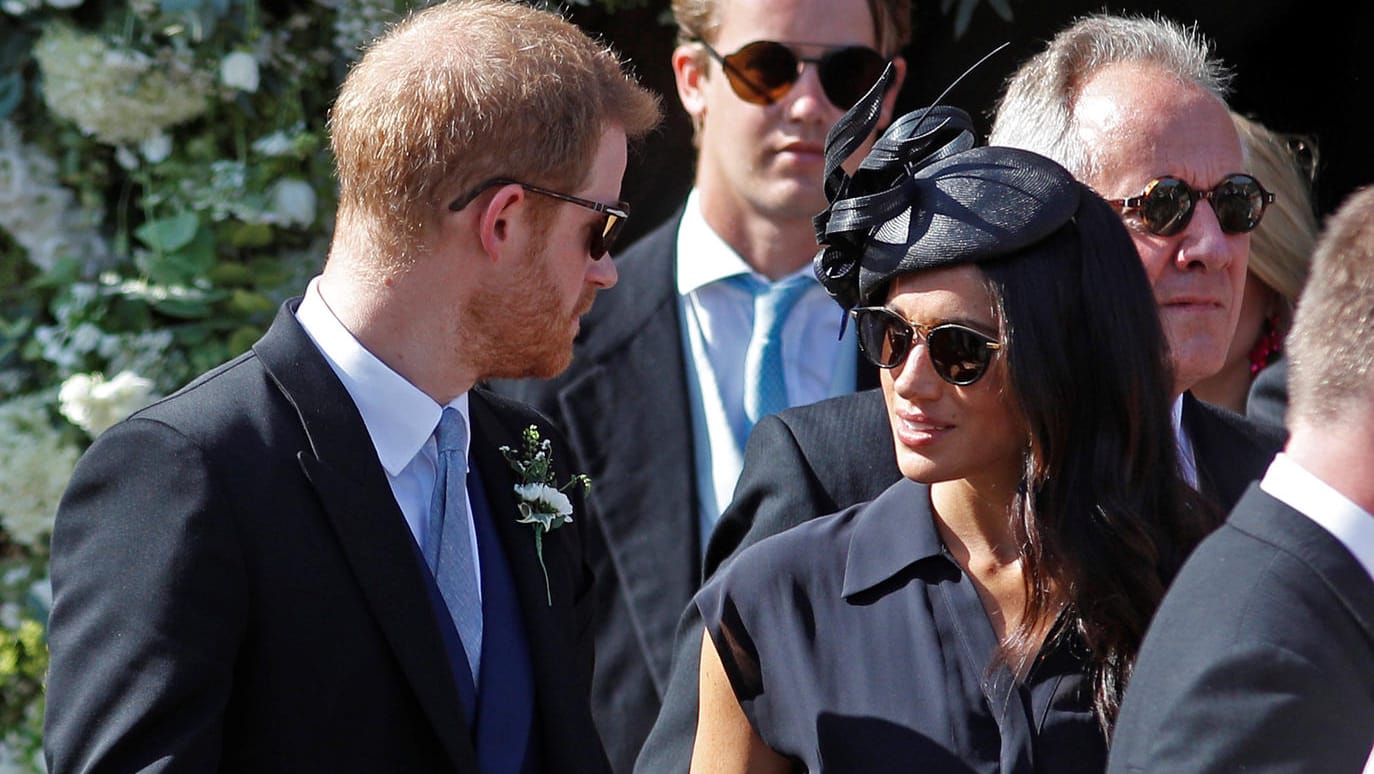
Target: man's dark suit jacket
x,y
624,407
813,460
1261,657
236,589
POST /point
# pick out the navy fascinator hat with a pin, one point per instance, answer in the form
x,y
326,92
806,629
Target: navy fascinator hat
x,y
925,197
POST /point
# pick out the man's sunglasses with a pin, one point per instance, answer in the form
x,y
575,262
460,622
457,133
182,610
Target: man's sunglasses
x,y
602,240
763,71
1166,205
960,354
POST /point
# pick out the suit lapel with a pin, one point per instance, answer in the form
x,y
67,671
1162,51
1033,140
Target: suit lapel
x,y
634,400
1230,450
548,625
342,466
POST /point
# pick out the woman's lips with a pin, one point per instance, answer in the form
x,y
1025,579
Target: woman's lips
x,y
916,430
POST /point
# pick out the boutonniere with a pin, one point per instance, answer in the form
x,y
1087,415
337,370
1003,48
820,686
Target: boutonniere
x,y
543,504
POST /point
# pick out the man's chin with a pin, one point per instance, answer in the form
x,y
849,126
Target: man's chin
x,y
546,367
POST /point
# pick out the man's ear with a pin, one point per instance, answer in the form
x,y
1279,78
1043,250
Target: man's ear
x,y
689,72
890,98
499,221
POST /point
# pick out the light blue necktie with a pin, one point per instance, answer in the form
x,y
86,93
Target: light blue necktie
x,y
765,385
448,549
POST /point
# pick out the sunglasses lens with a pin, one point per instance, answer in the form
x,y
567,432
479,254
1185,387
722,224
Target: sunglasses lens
x,y
1239,203
762,71
1168,206
848,74
884,338
603,241
960,355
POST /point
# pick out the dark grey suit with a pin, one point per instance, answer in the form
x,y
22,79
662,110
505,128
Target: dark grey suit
x,y
1260,658
236,589
813,460
624,407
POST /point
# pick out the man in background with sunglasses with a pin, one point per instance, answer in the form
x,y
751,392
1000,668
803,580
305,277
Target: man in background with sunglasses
x,y
1135,108
667,379
1261,656
317,557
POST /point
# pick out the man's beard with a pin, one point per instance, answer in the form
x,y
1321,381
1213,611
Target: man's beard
x,y
519,331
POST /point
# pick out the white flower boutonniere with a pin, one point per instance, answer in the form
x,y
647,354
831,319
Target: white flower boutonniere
x,y
542,501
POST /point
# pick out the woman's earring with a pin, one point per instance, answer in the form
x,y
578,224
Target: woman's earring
x,y
1268,347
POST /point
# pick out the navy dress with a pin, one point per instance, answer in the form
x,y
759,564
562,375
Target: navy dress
x,y
855,642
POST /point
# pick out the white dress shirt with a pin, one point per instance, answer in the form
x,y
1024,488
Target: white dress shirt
x,y
399,417
1187,458
717,317
1292,484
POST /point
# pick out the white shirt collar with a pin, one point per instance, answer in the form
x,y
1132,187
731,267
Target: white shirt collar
x,y
400,418
1294,485
1187,458
712,259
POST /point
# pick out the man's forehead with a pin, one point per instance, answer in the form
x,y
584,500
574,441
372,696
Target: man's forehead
x,y
1139,116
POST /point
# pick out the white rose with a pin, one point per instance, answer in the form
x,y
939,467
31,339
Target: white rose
x,y
239,70
94,404
156,148
293,202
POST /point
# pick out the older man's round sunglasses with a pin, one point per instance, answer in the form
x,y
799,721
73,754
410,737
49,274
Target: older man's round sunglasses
x,y
1167,204
762,72
960,354
602,240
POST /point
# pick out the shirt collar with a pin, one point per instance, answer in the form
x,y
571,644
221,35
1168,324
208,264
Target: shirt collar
x,y
1187,457
894,531
1295,486
712,258
400,418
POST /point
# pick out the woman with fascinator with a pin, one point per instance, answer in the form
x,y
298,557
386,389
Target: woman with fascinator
x,y
984,612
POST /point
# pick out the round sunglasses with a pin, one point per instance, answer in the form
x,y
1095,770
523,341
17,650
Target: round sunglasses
x,y
762,72
1167,204
960,354
602,239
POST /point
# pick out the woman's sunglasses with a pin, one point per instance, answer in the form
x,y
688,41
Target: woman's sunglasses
x,y
960,354
1166,205
763,71
602,240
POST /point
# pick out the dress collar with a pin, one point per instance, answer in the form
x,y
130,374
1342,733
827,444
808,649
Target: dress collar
x,y
894,532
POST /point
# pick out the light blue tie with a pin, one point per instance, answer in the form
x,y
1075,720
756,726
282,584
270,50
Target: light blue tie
x,y
448,549
765,385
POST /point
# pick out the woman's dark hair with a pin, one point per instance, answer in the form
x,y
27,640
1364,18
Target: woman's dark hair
x,y
1104,518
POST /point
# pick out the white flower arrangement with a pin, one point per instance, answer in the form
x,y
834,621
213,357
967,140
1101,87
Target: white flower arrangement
x,y
117,95
542,503
239,70
35,463
94,404
41,214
